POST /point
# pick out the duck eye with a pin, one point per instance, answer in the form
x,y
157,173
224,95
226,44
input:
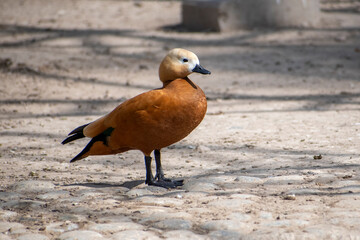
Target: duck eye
x,y
185,60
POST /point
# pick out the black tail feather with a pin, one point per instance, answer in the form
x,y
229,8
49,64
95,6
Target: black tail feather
x,y
78,129
75,134
72,138
102,137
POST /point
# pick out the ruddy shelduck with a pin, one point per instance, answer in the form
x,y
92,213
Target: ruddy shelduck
x,y
152,120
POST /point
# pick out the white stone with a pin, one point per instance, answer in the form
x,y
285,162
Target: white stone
x,y
24,204
231,203
173,224
163,214
285,223
241,217
203,149
247,180
6,196
115,227
200,186
7,214
10,226
160,201
135,235
53,195
184,235
265,215
138,192
282,180
81,235
224,235
232,225
60,227
5,237
33,186
32,236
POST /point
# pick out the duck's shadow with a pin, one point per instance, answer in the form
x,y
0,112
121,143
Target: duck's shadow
x,y
130,184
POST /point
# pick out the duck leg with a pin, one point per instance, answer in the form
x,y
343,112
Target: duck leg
x,y
160,173
159,180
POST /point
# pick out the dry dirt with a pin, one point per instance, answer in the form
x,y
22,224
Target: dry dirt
x,y
283,108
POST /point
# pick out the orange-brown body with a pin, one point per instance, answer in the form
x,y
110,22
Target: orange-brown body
x,y
152,120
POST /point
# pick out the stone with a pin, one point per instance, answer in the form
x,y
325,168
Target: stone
x,y
54,195
173,224
242,217
285,223
247,180
32,236
5,237
221,179
133,193
224,235
10,226
24,204
90,193
81,235
113,219
353,202
203,149
164,214
7,196
160,201
33,186
135,235
283,180
328,232
184,235
199,186
115,227
60,227
235,203
232,225
4,215
303,191
265,215
325,178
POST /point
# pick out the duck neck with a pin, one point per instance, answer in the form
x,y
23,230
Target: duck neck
x,y
185,78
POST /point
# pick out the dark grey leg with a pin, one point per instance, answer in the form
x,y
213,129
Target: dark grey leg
x,y
159,180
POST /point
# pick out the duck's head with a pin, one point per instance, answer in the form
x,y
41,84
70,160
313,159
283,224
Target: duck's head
x,y
179,63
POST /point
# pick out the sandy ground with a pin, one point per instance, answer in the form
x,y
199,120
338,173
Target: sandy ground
x,y
283,107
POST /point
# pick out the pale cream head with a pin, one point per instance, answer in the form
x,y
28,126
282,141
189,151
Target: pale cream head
x,y
179,63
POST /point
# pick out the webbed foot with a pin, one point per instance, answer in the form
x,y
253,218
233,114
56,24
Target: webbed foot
x,y
166,183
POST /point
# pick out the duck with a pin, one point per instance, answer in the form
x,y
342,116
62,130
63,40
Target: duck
x,y
152,120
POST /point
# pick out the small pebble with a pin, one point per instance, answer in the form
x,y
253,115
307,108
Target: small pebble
x,y
289,197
